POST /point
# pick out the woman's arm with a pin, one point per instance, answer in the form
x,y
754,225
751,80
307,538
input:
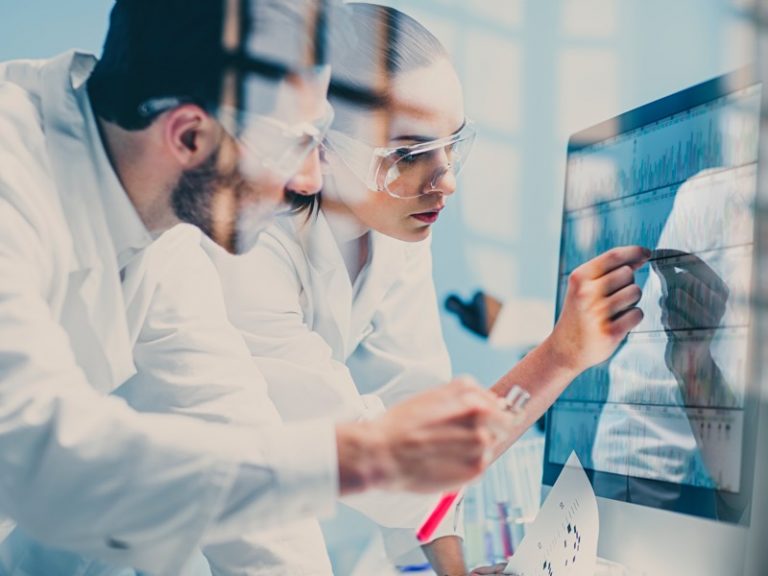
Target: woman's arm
x,y
598,312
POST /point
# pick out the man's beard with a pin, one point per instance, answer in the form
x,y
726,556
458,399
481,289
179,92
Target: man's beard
x,y
195,192
213,201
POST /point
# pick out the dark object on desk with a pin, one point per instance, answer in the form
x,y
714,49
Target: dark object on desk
x,y
478,314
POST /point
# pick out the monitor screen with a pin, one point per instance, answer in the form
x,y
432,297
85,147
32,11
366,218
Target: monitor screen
x,y
664,421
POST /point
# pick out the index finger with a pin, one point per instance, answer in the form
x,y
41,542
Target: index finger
x,y
634,256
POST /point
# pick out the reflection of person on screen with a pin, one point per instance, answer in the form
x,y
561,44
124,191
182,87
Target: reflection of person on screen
x,y
689,299
693,302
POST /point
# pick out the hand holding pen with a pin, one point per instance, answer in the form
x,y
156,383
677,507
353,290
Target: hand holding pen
x,y
514,402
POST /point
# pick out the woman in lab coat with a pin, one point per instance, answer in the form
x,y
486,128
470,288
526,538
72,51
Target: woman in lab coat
x,y
337,302
348,322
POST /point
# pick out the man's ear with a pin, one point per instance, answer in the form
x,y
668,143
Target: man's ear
x,y
191,134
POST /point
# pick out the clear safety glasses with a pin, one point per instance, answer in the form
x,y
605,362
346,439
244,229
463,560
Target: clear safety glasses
x,y
267,144
404,171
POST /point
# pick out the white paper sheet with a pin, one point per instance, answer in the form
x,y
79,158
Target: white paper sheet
x,y
562,541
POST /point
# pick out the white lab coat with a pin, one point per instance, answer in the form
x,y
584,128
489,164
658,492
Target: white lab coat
x,y
81,470
327,347
191,360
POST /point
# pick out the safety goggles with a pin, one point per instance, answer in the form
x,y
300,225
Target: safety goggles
x,y
404,171
267,144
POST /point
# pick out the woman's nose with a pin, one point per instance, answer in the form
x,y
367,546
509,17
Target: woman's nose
x,y
309,179
444,180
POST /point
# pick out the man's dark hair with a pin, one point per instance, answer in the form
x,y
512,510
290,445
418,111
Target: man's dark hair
x,y
176,50
158,49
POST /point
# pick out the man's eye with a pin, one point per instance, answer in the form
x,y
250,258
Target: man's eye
x,y
305,140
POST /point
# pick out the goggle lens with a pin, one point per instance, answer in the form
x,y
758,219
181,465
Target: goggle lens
x,y
407,173
268,144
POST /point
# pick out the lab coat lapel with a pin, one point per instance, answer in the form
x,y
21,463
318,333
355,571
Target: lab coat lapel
x,y
385,267
94,279
329,283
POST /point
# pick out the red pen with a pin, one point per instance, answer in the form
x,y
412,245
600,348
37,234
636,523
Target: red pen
x,y
436,516
515,401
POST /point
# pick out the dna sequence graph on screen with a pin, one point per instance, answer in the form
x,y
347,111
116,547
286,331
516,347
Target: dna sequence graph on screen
x,y
640,373
643,441
669,404
718,134
658,278
713,210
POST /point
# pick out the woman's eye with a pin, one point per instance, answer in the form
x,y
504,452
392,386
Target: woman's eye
x,y
402,153
405,156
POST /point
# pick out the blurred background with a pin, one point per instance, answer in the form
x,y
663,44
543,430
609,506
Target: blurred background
x,y
534,71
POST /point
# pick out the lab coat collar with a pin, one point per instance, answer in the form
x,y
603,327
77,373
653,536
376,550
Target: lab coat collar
x,y
350,311
385,267
128,233
80,176
329,273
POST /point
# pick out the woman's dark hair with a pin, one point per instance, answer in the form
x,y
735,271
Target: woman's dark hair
x,y
387,43
386,38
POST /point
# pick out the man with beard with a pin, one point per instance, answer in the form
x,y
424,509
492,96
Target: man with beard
x,y
177,121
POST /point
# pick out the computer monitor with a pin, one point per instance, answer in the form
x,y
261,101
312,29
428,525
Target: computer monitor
x,y
665,428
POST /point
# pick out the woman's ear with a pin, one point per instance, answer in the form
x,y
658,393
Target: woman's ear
x,y
191,135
